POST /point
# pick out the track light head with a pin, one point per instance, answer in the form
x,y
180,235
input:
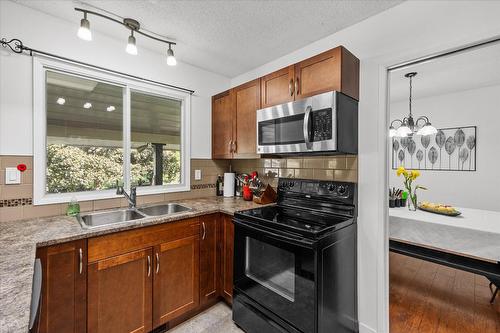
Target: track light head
x,y
131,45
171,61
84,30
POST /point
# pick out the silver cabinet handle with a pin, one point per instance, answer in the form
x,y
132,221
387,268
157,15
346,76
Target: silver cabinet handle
x,y
204,230
157,263
80,267
297,86
307,118
149,265
290,87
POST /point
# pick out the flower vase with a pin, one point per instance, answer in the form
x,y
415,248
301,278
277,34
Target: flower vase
x,y
412,203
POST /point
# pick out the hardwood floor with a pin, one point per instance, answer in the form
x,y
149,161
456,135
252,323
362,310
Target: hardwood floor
x,y
426,297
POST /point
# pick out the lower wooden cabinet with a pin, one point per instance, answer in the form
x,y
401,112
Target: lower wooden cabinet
x,y
227,258
176,279
209,258
64,287
120,293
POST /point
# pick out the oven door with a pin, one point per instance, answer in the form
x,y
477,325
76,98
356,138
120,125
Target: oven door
x,y
277,271
308,125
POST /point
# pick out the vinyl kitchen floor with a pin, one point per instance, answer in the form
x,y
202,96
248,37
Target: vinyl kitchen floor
x,y
216,319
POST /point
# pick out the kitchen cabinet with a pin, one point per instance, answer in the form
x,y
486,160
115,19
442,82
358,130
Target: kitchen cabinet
x,y
64,287
120,293
227,258
336,69
234,122
209,258
176,279
222,126
247,102
278,87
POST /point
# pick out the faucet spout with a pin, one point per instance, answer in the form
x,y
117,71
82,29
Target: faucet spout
x,y
131,198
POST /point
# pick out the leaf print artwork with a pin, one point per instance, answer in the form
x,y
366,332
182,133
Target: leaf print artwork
x,y
433,155
440,140
450,147
425,140
420,157
463,155
412,146
401,156
459,139
395,148
471,144
404,142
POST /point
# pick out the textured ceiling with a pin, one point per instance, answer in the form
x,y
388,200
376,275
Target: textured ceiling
x,y
463,71
226,37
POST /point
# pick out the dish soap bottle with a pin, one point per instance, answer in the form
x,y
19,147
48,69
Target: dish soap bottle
x,y
219,186
73,207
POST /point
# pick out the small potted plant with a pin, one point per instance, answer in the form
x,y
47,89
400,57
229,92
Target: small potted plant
x,y
410,176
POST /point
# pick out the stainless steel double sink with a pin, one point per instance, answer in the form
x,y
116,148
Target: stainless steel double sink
x,y
99,219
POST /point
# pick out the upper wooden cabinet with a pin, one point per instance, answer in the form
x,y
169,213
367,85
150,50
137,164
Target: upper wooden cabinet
x,y
222,126
336,69
64,287
234,122
278,87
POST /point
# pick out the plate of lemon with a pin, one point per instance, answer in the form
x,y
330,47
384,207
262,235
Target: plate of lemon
x,y
438,209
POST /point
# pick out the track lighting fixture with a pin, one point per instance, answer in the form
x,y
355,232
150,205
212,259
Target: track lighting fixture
x,y
84,30
134,26
131,46
171,61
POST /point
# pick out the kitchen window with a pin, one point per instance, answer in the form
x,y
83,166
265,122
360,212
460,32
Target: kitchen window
x,y
94,129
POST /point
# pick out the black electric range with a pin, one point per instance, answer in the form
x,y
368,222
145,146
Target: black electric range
x,y
295,261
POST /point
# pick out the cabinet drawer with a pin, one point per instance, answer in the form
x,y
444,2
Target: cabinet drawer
x,y
122,242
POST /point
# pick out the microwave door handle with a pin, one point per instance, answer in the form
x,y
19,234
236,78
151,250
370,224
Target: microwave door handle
x,y
307,119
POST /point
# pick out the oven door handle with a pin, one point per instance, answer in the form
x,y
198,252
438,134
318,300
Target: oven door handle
x,y
294,240
306,128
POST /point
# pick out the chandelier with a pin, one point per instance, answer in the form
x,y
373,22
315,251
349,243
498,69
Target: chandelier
x,y
408,126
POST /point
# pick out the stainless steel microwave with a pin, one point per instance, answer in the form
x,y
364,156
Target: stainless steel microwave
x,y
321,124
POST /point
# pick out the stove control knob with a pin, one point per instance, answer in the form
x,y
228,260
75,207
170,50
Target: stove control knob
x,y
331,187
341,190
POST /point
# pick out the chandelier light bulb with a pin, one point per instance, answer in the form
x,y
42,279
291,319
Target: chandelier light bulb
x,y
171,61
392,132
428,129
403,131
84,30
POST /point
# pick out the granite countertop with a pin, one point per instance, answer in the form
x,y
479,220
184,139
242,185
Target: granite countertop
x,y
19,240
475,233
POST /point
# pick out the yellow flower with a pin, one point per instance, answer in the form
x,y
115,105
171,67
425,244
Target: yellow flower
x,y
401,170
416,174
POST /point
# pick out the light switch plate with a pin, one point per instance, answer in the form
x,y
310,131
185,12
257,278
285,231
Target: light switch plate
x,y
12,176
197,174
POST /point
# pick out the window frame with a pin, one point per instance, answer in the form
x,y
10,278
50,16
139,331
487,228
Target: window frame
x,y
41,65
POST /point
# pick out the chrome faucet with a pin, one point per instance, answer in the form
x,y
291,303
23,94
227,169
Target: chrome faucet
x,y
132,198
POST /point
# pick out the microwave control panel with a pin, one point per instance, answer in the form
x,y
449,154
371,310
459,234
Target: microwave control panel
x,y
322,125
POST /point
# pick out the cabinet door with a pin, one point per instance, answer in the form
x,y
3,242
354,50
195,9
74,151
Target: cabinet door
x,y
227,257
119,293
176,279
247,101
278,87
222,126
336,69
209,258
64,287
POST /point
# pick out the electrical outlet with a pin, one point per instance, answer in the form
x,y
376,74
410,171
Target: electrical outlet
x,y
12,176
197,174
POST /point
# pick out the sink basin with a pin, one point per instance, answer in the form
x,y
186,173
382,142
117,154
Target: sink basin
x,y
94,220
170,208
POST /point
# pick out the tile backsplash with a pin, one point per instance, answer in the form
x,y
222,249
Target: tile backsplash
x,y
16,200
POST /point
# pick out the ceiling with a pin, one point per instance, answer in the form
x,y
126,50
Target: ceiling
x,y
225,37
473,69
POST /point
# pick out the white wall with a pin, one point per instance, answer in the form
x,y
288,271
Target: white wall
x,y
51,34
408,31
477,107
